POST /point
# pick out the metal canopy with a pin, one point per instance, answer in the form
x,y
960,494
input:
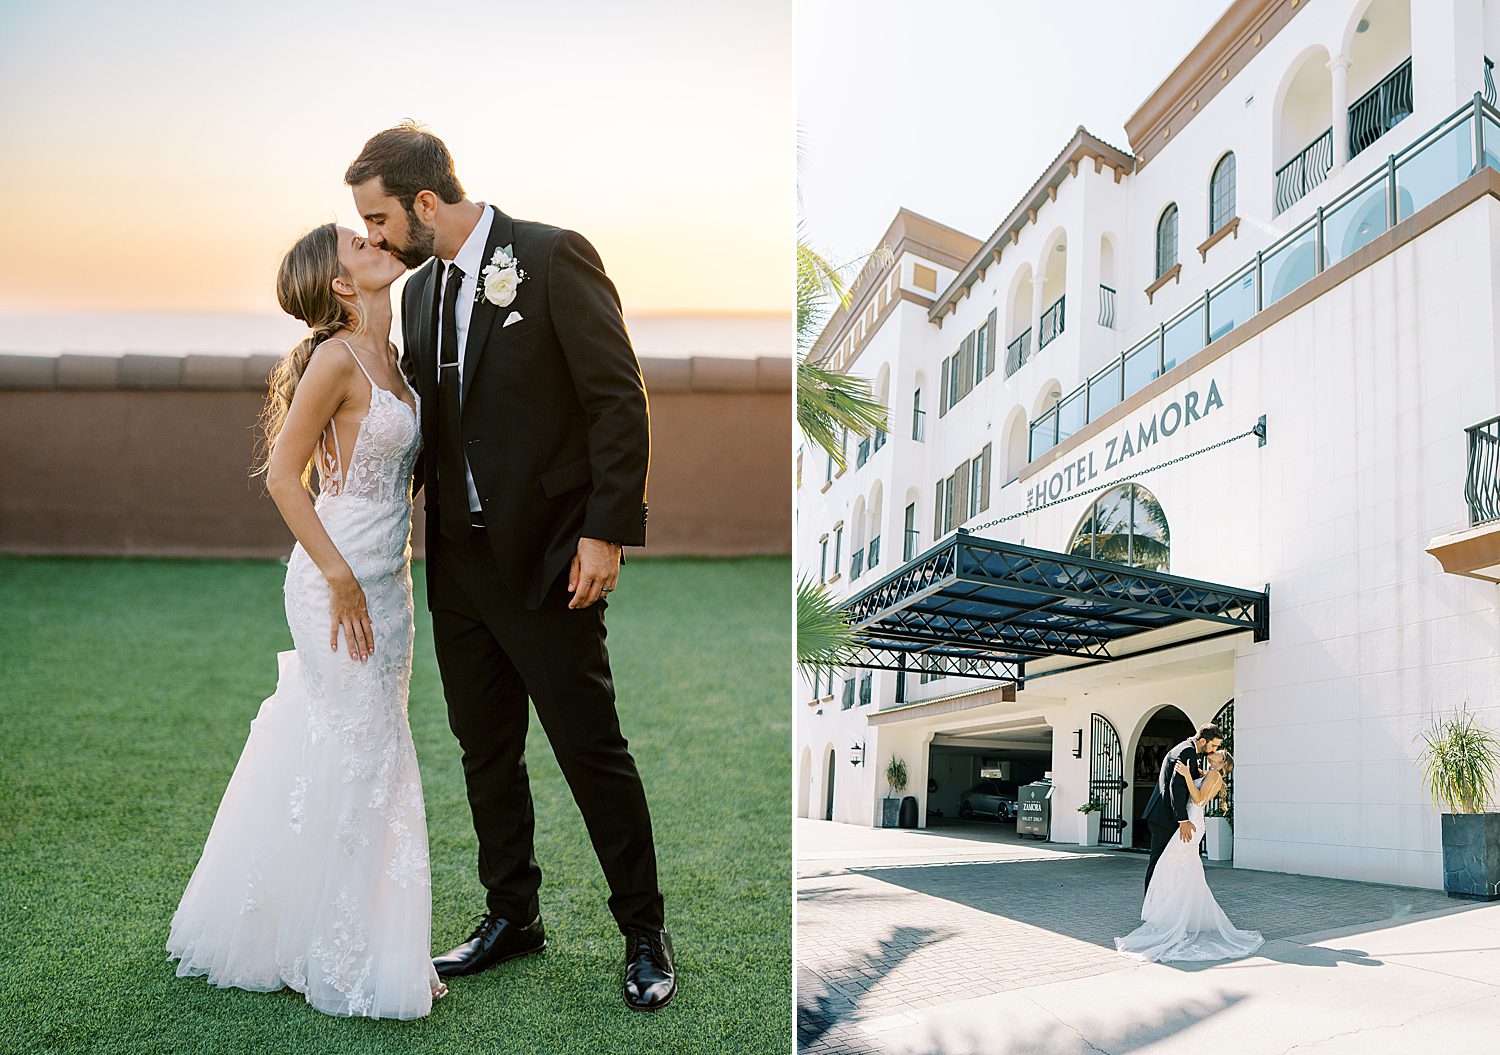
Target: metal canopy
x,y
982,608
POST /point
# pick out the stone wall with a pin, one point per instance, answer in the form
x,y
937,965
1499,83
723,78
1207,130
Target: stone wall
x,y
150,455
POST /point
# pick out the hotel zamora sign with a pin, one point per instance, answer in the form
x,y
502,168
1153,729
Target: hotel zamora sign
x,y
1129,440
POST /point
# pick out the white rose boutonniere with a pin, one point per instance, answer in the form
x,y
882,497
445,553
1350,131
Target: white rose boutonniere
x,y
501,276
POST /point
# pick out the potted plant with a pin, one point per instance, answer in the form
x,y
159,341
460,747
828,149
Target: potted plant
x,y
1459,761
895,776
1090,811
1218,837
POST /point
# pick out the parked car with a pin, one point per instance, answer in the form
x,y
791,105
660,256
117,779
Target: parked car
x,y
989,798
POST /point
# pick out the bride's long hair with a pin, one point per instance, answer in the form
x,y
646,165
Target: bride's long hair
x,y
304,286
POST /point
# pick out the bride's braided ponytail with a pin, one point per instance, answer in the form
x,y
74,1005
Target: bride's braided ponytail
x,y
304,286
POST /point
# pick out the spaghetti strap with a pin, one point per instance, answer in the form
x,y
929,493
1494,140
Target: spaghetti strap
x,y
346,344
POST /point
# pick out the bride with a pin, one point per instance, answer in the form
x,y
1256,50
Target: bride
x,y
315,873
1180,918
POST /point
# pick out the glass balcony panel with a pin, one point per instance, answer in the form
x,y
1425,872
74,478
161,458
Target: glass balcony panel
x,y
1355,223
1434,170
1072,414
1104,391
1290,266
1043,434
1491,142
1142,366
1183,338
1231,305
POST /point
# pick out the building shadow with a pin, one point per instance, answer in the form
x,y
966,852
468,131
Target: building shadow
x,y
1098,897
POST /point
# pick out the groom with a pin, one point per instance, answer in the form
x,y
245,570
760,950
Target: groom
x,y
535,449
1166,809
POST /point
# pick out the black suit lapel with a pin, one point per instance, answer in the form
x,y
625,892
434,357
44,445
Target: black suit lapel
x,y
426,347
482,317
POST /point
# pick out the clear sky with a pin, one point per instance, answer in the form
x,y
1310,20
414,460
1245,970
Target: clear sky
x,y
953,109
160,156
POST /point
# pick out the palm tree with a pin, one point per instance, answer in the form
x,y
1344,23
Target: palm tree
x,y
828,402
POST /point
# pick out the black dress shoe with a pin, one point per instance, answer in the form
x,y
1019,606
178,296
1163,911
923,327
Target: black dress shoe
x,y
650,979
495,940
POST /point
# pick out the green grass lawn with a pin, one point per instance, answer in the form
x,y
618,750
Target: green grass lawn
x,y
126,693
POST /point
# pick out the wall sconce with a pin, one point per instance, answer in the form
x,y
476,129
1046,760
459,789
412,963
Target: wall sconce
x,y
1077,743
856,754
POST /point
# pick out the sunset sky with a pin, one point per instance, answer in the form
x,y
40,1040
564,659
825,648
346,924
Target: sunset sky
x,y
160,156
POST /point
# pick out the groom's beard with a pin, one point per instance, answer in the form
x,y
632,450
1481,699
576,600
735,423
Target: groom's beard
x,y
423,237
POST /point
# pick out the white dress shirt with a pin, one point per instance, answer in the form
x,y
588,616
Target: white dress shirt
x,y
470,260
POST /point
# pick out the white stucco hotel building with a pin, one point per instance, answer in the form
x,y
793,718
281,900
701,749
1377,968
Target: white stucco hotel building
x,y
1203,429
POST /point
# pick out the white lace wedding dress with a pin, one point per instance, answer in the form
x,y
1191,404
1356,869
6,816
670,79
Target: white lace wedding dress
x,y
315,873
1180,918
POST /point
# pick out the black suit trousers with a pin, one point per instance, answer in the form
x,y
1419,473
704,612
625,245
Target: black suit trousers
x,y
492,654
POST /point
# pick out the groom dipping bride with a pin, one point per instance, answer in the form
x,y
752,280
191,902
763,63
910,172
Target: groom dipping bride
x,y
1180,920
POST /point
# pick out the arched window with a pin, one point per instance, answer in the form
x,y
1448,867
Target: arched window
x,y
1166,241
1221,193
1124,525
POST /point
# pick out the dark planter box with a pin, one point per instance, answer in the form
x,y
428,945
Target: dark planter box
x,y
1471,855
890,812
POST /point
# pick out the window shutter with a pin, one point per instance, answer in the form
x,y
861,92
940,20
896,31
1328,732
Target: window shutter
x,y
948,506
984,484
989,361
943,391
966,367
961,486
937,513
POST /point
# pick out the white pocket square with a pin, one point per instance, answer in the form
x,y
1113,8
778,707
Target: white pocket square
x,y
514,316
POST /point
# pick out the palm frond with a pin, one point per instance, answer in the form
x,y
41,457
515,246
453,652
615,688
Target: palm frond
x,y
825,641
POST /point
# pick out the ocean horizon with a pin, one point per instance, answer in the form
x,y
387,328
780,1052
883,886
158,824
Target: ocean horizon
x,y
245,333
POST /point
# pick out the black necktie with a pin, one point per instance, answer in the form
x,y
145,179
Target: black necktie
x,y
453,491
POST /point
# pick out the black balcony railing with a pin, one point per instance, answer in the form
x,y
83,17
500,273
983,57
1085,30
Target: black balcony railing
x,y
1380,109
1106,306
856,564
1489,82
874,551
1051,325
1304,172
1017,352
1482,485
918,425
1434,163
909,544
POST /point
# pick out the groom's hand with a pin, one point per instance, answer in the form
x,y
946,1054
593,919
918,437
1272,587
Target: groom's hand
x,y
1185,829
595,569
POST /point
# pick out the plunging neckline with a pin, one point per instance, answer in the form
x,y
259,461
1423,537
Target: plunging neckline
x,y
414,409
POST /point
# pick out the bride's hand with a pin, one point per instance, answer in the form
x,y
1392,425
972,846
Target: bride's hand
x,y
1184,771
347,605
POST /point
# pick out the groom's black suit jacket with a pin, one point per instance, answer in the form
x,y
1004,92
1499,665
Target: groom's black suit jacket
x,y
1170,811
555,422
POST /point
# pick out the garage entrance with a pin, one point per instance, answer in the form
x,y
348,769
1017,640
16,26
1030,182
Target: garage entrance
x,y
974,774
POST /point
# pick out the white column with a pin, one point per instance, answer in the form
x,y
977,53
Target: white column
x,y
1339,67
1447,64
1037,307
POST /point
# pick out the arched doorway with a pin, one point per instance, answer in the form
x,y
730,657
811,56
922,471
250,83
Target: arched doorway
x,y
804,783
828,787
1165,729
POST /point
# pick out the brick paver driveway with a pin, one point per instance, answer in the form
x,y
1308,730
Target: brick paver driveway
x,y
891,921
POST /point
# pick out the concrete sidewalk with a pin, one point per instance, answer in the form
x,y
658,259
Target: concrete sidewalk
x,y
933,942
